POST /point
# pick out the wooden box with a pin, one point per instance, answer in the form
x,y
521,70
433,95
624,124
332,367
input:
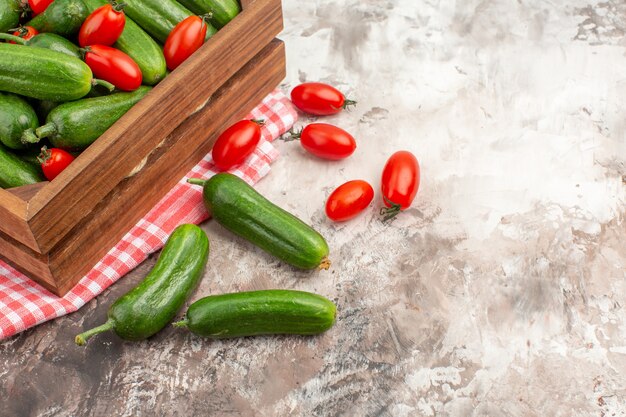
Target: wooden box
x,y
56,232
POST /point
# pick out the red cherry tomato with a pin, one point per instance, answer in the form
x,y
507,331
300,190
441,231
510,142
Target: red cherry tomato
x,y
326,141
184,40
114,66
25,32
54,161
319,99
348,200
236,143
38,6
400,182
103,26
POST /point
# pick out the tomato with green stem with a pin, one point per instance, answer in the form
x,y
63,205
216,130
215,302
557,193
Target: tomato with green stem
x,y
319,99
400,182
38,6
349,200
324,141
114,66
236,143
53,161
24,32
185,39
103,26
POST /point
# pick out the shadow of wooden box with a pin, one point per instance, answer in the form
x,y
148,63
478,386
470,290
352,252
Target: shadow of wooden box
x,y
56,232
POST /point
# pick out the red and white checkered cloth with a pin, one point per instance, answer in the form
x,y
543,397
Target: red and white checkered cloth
x,y
24,303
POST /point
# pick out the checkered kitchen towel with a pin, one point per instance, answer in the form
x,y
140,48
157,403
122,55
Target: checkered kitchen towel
x,y
24,304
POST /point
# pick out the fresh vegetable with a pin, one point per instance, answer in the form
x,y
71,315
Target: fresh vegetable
x,y
400,182
242,210
221,11
43,74
10,12
63,17
348,200
319,99
43,109
325,141
16,115
50,41
148,308
114,66
24,32
236,143
38,6
103,26
77,124
158,17
54,161
185,39
14,172
140,46
263,312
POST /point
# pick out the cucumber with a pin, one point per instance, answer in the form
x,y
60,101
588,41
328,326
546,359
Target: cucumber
x,y
77,124
14,172
16,115
43,109
255,313
158,17
242,210
50,41
10,11
43,74
147,308
222,11
140,46
63,17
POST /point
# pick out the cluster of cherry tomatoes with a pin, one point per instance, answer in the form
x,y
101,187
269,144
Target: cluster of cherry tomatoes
x,y
400,177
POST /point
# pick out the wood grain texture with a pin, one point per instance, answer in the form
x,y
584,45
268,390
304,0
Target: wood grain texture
x,y
13,222
27,261
60,206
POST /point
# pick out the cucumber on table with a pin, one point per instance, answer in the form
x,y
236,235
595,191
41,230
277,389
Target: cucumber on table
x,y
158,17
10,11
50,41
241,209
63,17
77,124
222,11
148,308
16,115
43,74
140,46
15,172
263,312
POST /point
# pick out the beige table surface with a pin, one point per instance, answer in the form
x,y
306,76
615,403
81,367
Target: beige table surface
x,y
500,293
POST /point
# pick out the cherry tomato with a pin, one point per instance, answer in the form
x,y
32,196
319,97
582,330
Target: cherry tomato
x,y
348,200
114,66
38,6
54,161
400,182
103,26
326,141
184,40
25,32
319,99
236,143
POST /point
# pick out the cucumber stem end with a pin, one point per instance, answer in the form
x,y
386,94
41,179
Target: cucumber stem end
x,y
196,181
182,323
82,338
49,129
29,136
325,264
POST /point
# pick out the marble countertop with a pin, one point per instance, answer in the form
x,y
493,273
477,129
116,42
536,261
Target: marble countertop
x,y
501,292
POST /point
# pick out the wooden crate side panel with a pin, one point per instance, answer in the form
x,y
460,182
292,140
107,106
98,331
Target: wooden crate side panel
x,y
192,140
30,263
59,206
13,219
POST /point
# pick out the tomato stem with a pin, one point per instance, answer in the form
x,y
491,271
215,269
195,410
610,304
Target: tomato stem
x,y
291,135
44,156
260,122
46,130
390,213
118,6
196,181
29,136
206,17
16,39
348,102
103,83
82,338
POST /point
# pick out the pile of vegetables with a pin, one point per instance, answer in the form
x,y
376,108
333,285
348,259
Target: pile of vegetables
x,y
69,69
